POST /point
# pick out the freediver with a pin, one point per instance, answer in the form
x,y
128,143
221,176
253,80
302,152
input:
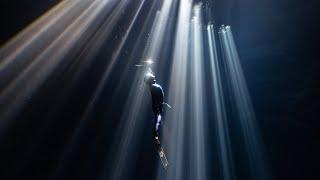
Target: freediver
x,y
157,106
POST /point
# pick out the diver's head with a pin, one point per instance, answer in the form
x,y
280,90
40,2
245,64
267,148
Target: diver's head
x,y
149,78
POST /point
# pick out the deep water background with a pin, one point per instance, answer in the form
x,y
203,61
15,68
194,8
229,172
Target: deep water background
x,y
278,44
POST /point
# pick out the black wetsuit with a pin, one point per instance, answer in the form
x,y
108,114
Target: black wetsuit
x,y
157,106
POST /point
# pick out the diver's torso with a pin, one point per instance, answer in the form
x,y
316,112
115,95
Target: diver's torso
x,y
157,94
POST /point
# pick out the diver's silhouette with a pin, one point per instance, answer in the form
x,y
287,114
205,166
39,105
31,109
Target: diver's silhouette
x,y
157,105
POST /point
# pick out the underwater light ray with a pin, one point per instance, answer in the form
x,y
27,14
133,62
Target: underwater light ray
x,y
36,73
26,45
130,127
222,128
197,110
177,96
245,113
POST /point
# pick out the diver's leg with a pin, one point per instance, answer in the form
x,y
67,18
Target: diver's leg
x,y
156,129
160,150
158,121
